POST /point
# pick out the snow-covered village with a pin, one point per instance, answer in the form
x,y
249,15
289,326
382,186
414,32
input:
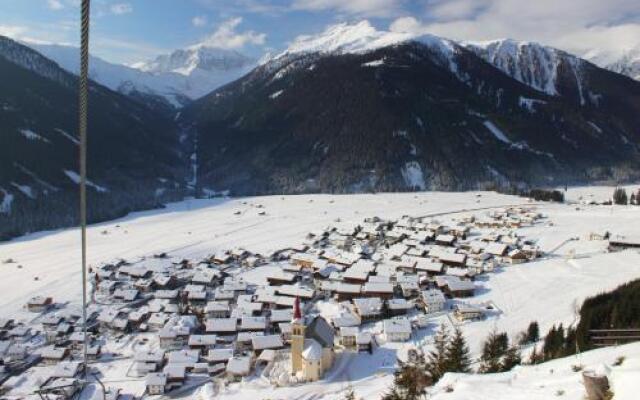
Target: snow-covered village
x,y
318,298
319,200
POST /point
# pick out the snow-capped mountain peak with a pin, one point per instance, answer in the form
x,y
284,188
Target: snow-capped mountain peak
x,y
189,73
186,61
360,37
626,62
531,63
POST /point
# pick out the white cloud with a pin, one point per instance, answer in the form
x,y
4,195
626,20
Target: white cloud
x,y
373,8
12,31
226,37
55,5
612,26
199,21
121,8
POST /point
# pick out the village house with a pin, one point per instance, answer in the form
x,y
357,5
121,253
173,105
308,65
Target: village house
x,y
202,342
238,367
156,383
173,337
39,304
453,286
398,306
218,309
433,300
378,289
149,360
467,312
348,335
364,342
266,342
368,308
397,329
219,356
52,355
176,375
222,326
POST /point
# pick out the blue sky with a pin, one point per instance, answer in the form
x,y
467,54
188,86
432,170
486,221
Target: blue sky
x,y
126,31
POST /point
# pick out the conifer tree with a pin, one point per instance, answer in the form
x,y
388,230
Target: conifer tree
x,y
458,359
620,196
436,364
511,359
533,332
409,382
492,351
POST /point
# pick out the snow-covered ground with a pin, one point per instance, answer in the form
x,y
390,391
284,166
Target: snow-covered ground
x,y
554,379
546,290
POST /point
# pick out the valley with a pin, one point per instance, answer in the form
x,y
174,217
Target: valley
x,y
546,290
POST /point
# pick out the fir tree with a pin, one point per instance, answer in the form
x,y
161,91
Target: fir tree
x,y
570,342
553,343
533,332
632,199
436,364
535,357
620,196
492,351
511,359
409,382
458,359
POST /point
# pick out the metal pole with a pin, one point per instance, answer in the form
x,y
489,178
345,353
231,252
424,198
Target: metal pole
x,y
83,103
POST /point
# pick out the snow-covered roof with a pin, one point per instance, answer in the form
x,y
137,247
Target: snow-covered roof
x,y
239,366
397,325
312,350
267,342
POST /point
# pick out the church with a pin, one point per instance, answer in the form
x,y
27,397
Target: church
x,y
312,352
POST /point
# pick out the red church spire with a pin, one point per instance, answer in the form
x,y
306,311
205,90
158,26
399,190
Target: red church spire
x,y
297,314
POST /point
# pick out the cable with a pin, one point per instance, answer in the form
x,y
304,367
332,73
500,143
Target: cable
x,y
83,101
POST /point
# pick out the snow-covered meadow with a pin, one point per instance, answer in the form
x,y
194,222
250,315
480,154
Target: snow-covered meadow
x,y
546,290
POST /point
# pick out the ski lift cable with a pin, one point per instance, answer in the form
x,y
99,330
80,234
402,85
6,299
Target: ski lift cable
x,y
83,102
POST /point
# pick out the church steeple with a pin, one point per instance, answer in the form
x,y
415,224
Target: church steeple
x,y
297,314
297,337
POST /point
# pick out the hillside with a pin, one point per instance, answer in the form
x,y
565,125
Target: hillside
x,y
356,109
133,153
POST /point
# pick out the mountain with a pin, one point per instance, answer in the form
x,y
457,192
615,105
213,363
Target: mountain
x,y
174,79
543,68
357,109
134,153
625,63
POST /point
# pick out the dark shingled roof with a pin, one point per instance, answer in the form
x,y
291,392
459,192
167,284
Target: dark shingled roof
x,y
320,330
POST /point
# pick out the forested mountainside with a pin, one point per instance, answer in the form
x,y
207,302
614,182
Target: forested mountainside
x,y
424,113
134,154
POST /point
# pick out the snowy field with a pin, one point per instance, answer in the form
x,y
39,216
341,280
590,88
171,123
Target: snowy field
x,y
547,290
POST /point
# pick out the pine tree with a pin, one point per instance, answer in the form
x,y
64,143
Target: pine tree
x,y
492,351
620,196
409,382
458,359
535,357
570,342
533,332
436,364
554,343
511,359
632,199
